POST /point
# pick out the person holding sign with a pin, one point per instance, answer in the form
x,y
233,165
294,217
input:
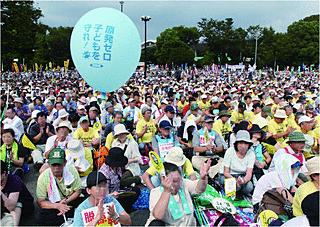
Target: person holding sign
x,y
110,215
171,204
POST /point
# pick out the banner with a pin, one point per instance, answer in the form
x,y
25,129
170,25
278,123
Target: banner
x,y
21,67
27,143
16,66
50,65
36,66
25,68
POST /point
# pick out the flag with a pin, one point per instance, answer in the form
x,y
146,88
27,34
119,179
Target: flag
x,y
36,66
27,143
299,67
166,66
41,67
287,69
218,59
16,66
303,67
58,67
181,66
12,66
229,59
292,68
2,66
25,68
46,67
50,65
186,66
21,67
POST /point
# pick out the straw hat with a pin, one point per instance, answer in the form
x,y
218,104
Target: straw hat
x,y
313,165
280,114
63,113
65,124
175,156
76,149
120,128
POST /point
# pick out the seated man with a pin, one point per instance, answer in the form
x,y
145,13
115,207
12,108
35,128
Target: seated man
x,y
97,188
171,204
65,190
174,156
165,140
16,197
185,136
88,136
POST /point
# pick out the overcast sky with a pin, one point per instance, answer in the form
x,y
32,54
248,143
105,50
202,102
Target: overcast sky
x,y
168,14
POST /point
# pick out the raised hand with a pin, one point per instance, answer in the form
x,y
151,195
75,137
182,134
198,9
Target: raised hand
x,y
166,183
204,170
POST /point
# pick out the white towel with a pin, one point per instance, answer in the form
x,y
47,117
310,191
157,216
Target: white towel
x,y
187,125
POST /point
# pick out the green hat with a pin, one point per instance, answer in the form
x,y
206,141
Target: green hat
x,y
194,106
296,136
267,110
224,113
82,119
57,156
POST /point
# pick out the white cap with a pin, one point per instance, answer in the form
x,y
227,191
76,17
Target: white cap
x,y
81,107
304,119
204,96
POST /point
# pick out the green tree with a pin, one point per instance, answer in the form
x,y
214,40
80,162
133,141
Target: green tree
x,y
19,26
171,49
151,58
189,36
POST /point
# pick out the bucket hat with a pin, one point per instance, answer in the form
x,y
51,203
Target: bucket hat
x,y
224,113
119,129
313,165
63,113
65,124
296,137
244,136
116,157
256,129
76,149
280,114
175,156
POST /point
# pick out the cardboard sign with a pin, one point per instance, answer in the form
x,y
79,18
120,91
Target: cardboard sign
x,y
157,163
223,206
89,214
230,187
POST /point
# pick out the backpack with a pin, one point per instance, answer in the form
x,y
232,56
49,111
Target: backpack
x,y
99,156
272,200
228,220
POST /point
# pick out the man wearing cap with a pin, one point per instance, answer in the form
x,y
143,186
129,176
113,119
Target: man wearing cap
x,y
240,114
69,104
170,115
87,135
81,111
64,194
97,188
165,140
296,143
207,141
278,128
307,188
93,116
21,110
130,114
203,104
106,114
146,128
306,124
194,113
174,156
160,113
222,125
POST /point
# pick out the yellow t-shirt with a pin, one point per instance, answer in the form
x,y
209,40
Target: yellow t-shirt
x,y
181,106
86,137
204,106
252,116
235,117
110,139
187,168
276,128
221,128
290,119
192,117
151,131
302,192
294,125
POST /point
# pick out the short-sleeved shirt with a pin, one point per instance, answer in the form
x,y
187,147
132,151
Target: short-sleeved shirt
x,y
186,167
78,221
15,184
303,191
68,190
35,130
235,164
238,117
151,131
189,188
114,185
276,128
190,134
86,137
154,141
25,109
218,140
221,128
21,154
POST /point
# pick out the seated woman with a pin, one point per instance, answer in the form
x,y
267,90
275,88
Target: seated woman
x,y
185,136
263,159
12,153
113,170
16,197
110,137
238,163
283,178
131,151
171,204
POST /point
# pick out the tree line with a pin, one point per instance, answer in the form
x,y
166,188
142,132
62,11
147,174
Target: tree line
x,y
217,41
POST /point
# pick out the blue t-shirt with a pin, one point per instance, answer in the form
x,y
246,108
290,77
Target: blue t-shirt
x,y
86,205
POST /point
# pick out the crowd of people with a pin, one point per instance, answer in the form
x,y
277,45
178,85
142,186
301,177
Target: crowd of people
x,y
89,147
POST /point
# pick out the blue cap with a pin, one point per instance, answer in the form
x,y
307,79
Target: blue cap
x,y
207,119
297,164
165,124
170,109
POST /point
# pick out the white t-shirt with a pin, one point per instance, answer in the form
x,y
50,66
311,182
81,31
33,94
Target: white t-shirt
x,y
265,183
62,145
237,165
298,221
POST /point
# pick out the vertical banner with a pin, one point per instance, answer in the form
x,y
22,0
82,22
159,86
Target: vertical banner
x,y
36,66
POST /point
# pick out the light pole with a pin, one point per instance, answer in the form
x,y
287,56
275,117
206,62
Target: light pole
x,y
145,19
256,50
121,6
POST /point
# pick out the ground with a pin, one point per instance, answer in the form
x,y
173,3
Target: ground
x,y
138,217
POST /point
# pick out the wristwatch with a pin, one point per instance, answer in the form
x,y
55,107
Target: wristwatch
x,y
116,218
